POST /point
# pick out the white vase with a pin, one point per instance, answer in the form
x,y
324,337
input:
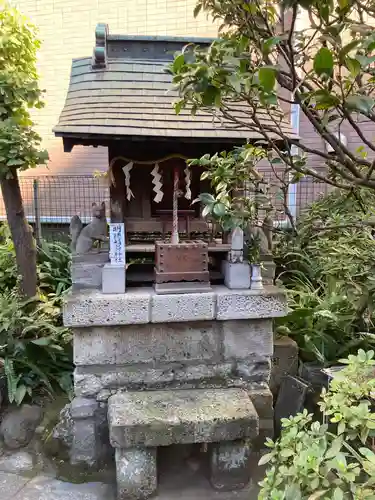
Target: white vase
x,y
256,277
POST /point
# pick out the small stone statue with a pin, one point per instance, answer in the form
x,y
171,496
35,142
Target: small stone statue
x,y
83,238
262,236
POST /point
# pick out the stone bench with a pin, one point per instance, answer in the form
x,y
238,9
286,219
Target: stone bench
x,y
139,422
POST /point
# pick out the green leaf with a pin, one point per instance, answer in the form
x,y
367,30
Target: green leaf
x,y
286,453
15,163
347,48
324,99
178,106
267,78
235,82
343,4
323,62
207,199
197,9
207,210
341,427
269,44
268,99
276,161
335,448
178,63
297,176
353,66
210,96
42,341
338,494
361,103
20,394
265,459
219,209
317,495
365,60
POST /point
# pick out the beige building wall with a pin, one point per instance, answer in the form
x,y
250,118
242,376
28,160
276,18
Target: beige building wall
x,y
67,30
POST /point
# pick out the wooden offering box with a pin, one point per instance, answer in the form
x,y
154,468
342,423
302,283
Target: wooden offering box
x,y
185,261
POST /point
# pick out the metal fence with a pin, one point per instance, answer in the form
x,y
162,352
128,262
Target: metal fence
x,y
51,201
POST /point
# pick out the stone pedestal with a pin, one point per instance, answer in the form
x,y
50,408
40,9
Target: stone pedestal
x,y
230,465
114,278
87,269
136,473
236,275
221,340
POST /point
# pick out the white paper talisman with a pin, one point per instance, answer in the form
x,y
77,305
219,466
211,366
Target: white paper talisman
x,y
117,243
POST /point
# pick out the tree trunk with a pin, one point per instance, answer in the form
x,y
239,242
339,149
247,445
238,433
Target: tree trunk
x,y
22,235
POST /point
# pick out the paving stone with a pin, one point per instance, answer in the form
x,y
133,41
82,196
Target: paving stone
x,y
20,462
10,485
161,418
19,424
46,488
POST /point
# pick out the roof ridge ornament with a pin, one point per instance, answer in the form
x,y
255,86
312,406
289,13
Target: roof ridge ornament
x,y
99,59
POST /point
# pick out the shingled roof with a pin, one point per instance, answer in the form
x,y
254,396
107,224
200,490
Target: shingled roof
x,y
123,90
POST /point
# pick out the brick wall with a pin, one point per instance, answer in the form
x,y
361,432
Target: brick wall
x,y
67,31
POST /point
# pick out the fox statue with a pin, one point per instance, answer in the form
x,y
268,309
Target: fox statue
x,y
84,237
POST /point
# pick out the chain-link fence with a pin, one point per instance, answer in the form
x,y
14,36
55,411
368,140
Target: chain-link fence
x,y
51,201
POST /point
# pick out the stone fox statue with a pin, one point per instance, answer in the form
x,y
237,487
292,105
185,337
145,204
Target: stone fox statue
x,y
83,238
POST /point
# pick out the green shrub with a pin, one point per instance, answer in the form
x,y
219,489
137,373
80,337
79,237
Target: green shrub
x,y
54,260
8,266
329,461
328,270
53,265
35,348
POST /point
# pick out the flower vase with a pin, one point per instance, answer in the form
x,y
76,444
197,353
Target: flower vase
x,y
256,277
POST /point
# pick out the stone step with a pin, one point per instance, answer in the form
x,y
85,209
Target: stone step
x,y
162,418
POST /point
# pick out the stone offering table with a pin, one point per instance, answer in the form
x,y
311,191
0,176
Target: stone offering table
x,y
179,368
139,422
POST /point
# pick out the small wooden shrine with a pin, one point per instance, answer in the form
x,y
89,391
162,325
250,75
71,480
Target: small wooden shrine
x,y
160,365
121,98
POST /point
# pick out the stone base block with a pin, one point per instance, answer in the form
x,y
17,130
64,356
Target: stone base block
x,y
86,270
284,361
113,278
183,287
268,271
136,473
236,275
86,441
230,465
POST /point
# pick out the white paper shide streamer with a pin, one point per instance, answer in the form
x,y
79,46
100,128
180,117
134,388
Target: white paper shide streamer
x,y
187,173
126,170
156,181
